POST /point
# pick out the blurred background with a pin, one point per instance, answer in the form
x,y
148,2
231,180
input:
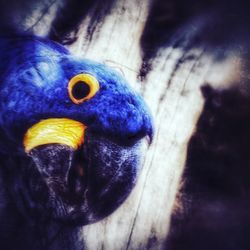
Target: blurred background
x,y
190,61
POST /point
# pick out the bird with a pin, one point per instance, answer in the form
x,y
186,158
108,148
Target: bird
x,y
71,131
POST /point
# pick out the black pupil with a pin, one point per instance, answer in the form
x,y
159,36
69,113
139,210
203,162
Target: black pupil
x,y
80,90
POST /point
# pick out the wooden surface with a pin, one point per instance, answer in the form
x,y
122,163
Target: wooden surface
x,y
172,91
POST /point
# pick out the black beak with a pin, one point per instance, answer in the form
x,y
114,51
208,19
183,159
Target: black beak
x,y
86,184
63,169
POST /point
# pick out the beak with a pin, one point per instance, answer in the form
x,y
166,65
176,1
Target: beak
x,y
54,144
77,175
55,130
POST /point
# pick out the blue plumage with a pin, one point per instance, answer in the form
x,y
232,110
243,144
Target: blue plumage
x,y
34,82
58,181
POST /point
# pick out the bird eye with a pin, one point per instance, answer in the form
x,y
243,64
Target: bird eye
x,y
82,87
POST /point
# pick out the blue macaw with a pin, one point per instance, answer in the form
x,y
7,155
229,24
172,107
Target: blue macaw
x,y
70,131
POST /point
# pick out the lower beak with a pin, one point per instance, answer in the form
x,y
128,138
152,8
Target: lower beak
x,y
53,145
55,130
60,168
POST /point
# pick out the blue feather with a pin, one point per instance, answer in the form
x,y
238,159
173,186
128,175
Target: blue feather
x,y
34,79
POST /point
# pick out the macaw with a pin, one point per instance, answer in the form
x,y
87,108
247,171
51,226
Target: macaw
x,y
71,131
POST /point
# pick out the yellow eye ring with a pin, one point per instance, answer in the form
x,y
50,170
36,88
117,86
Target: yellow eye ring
x,y
82,87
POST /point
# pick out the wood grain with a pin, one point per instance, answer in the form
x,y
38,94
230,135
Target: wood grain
x,y
172,91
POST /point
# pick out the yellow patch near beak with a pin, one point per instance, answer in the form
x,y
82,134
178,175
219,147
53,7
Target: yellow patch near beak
x,y
55,130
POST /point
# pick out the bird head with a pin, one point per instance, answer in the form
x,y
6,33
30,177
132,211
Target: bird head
x,y
72,129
